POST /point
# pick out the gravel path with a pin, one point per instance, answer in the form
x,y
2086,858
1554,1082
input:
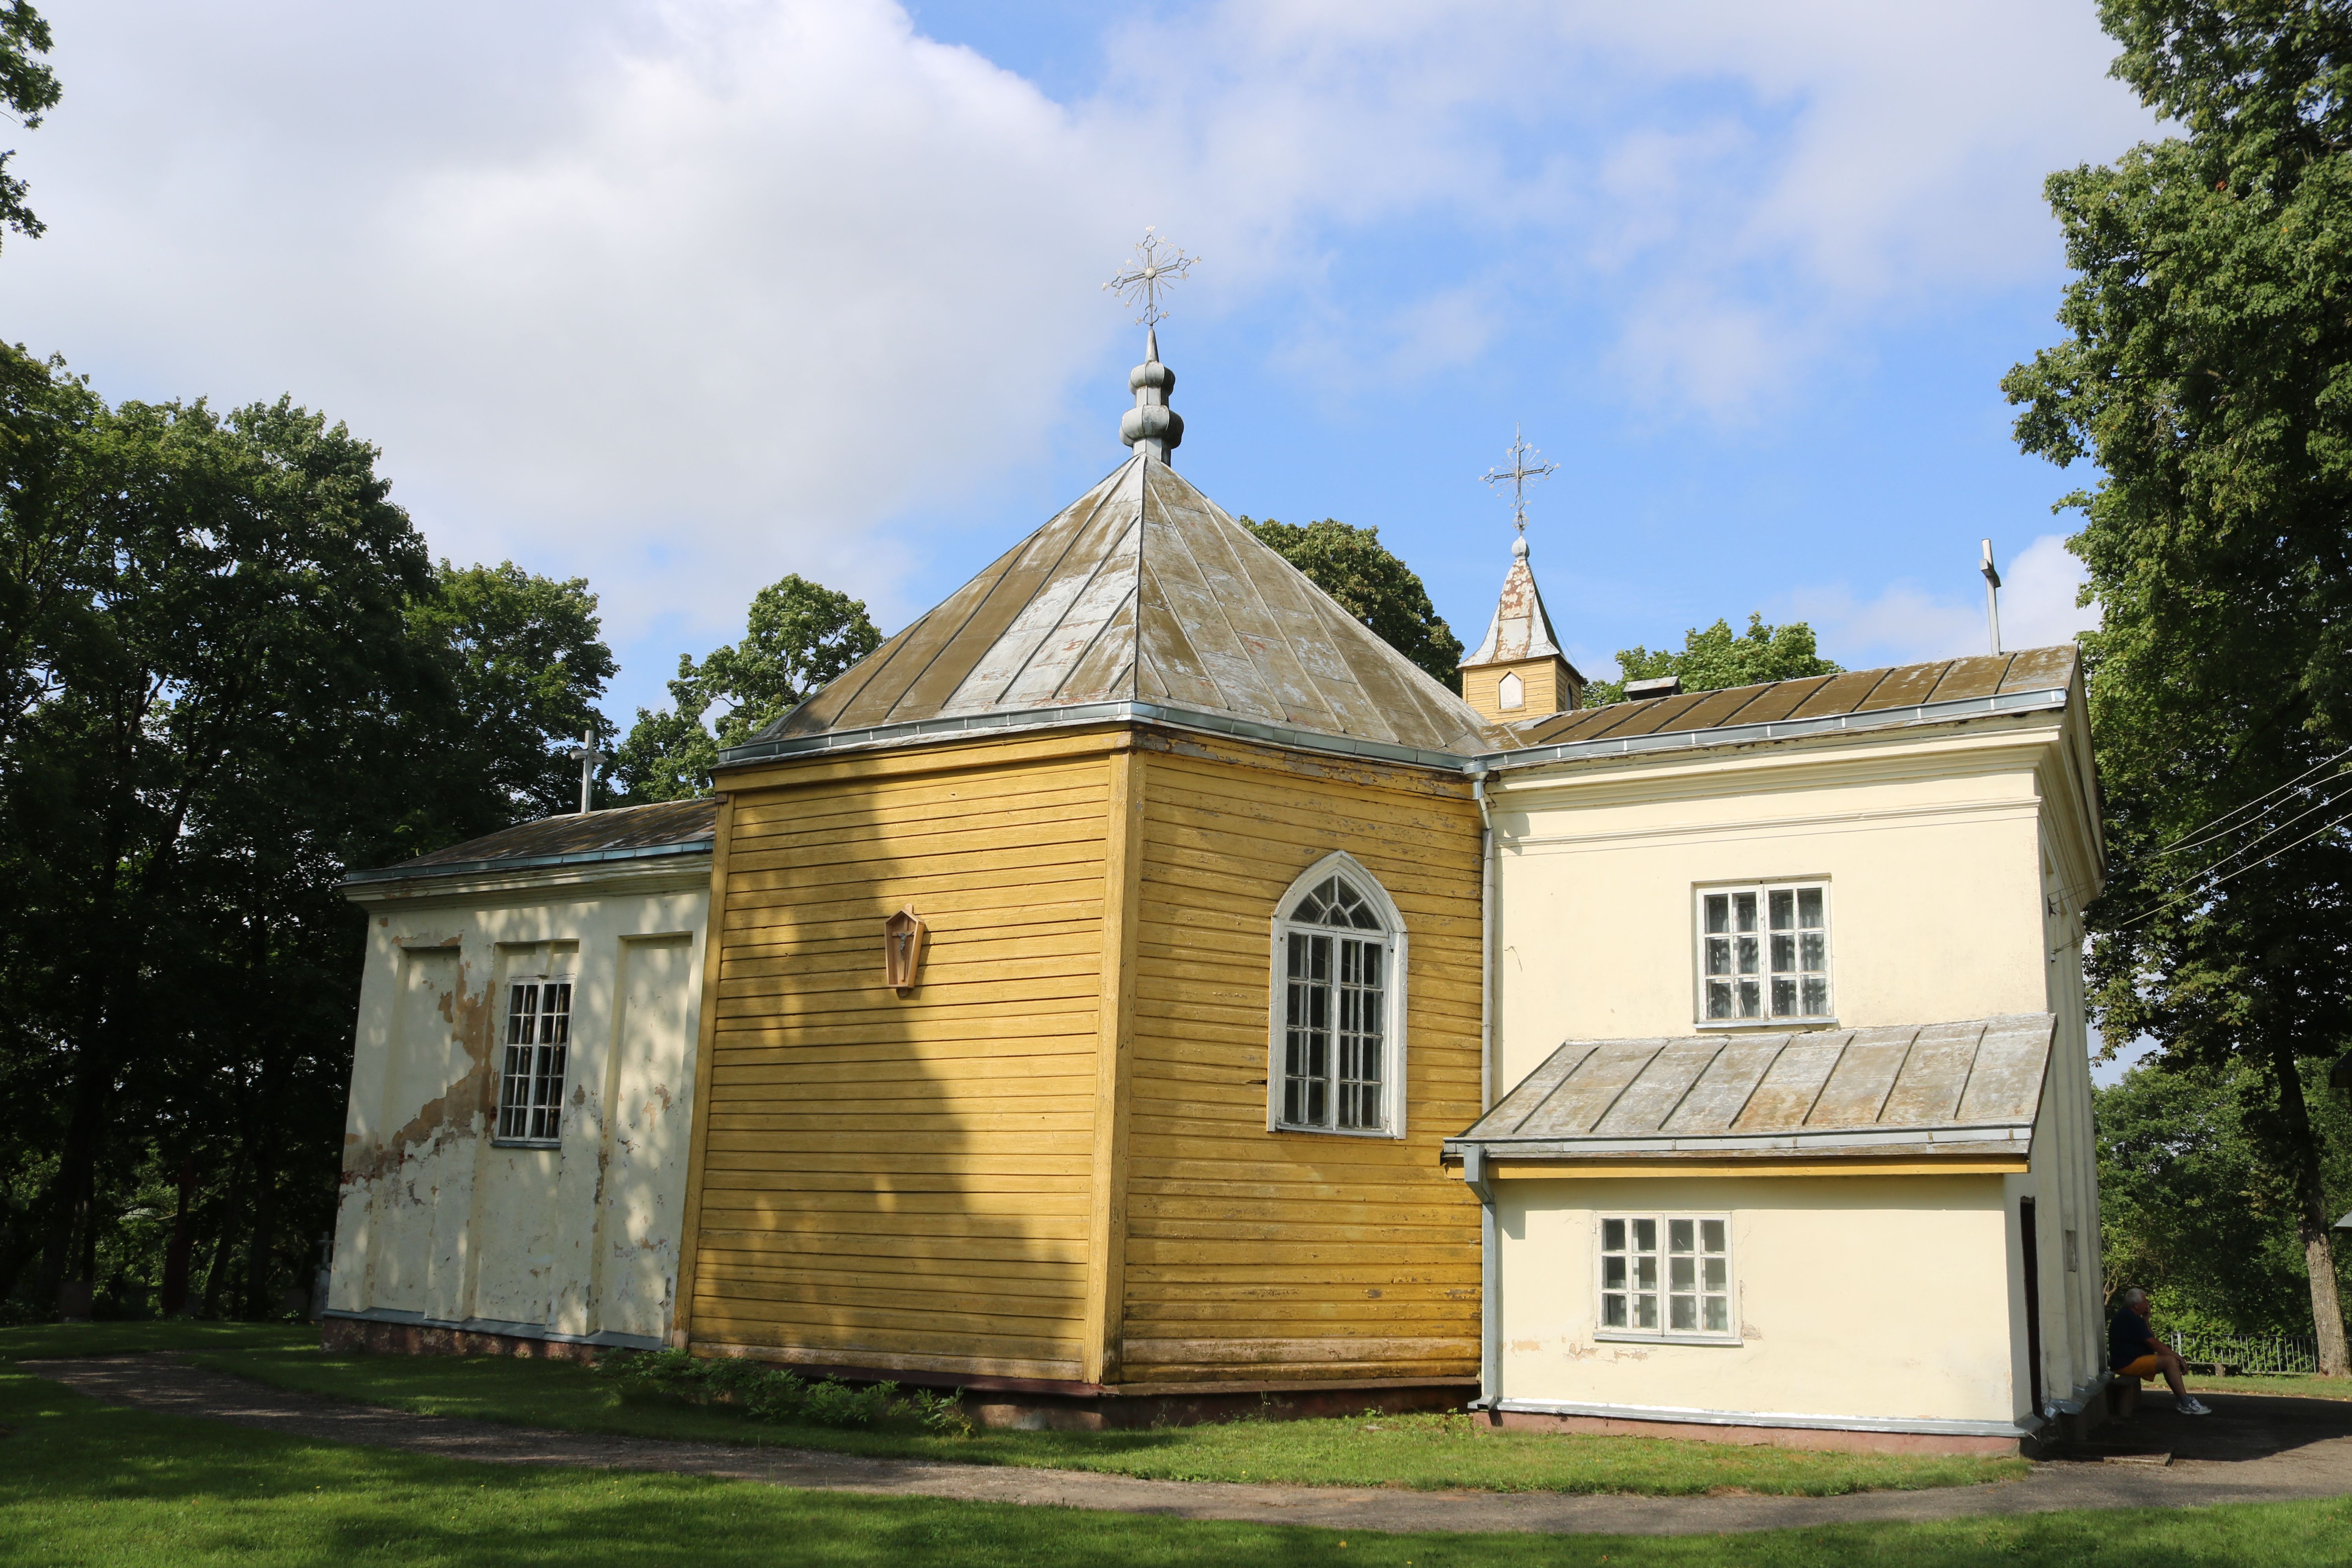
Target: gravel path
x,y
2254,1449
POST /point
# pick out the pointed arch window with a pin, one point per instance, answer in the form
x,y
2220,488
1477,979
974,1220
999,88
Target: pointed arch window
x,y
1337,1049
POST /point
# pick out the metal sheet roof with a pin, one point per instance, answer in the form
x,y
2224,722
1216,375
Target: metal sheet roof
x,y
1142,590
1521,627
1817,697
1961,1088
629,832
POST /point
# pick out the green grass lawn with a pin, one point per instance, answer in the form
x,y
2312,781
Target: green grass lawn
x,y
1426,1450
81,1483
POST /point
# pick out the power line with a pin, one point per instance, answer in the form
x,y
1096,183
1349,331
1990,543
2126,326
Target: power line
x,y
2213,828
2272,832
2207,892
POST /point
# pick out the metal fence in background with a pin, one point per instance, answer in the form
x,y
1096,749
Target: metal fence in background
x,y
2256,1355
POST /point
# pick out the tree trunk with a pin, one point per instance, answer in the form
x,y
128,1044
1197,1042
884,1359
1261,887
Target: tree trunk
x,y
258,1258
2311,1212
176,1252
218,1276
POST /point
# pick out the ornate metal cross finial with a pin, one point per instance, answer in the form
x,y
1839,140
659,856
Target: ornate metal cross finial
x,y
1520,473
1157,265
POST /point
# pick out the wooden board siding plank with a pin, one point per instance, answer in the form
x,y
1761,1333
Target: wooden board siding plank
x,y
691,1215
920,1253
1115,1013
1224,1218
887,801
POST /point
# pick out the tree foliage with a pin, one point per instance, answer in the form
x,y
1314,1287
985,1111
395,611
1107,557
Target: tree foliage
x,y
28,90
2191,1206
2207,374
1370,583
232,674
1718,659
799,635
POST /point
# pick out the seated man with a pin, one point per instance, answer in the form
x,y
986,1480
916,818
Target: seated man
x,y
2134,1351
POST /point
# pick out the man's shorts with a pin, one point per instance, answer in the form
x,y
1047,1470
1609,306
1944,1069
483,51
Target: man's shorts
x,y
2147,1366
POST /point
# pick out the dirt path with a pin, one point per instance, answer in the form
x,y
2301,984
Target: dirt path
x,y
2266,1450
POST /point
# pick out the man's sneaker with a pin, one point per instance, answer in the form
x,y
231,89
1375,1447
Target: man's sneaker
x,y
2192,1405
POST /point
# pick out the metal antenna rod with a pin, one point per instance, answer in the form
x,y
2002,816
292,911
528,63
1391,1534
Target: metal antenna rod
x,y
1993,595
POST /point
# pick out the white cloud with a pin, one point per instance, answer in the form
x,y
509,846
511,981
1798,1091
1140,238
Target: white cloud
x,y
1903,623
686,295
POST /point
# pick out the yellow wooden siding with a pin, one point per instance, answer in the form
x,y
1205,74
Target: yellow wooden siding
x,y
904,1181
1254,1255
1548,690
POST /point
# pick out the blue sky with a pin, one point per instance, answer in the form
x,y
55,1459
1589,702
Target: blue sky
x,y
681,297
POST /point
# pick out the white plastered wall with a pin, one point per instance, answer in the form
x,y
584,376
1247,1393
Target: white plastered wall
x,y
1826,1275
1957,861
439,1223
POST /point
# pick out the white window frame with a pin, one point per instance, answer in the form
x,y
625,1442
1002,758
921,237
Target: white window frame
x,y
541,1112
1664,1333
1763,890
1393,998
1510,690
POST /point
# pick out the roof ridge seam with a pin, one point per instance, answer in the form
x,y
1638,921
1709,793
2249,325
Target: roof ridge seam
x,y
1984,1028
1132,596
1879,1111
1655,1050
1339,719
1590,1049
1712,1058
1813,1104
1233,630
1758,1082
1076,532
1030,658
1176,627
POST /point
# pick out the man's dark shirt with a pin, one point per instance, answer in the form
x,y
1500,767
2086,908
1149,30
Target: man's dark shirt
x,y
2129,1337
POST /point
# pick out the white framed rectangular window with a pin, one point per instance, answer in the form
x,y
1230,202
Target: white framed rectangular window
x,y
1666,1277
538,1041
1764,953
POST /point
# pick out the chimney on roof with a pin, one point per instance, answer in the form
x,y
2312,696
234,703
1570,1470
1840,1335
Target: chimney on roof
x,y
1643,691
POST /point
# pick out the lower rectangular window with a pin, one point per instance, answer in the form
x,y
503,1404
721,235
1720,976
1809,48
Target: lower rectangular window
x,y
1666,1277
538,1039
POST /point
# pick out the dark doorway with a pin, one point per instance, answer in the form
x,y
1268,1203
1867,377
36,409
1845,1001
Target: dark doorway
x,y
2033,1300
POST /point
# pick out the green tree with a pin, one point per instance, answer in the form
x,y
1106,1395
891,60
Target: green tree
x,y
1719,659
2207,374
231,674
2191,1206
527,661
1370,583
799,635
27,89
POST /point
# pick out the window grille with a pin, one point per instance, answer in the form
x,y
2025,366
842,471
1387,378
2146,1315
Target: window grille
x,y
539,1037
1336,954
1666,1277
1764,952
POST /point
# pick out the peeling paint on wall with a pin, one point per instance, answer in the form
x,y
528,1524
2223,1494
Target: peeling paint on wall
x,y
438,1220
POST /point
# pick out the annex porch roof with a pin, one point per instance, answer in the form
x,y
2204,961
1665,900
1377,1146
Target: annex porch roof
x,y
1963,1089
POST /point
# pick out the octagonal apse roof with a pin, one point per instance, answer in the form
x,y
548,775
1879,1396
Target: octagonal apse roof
x,y
1142,591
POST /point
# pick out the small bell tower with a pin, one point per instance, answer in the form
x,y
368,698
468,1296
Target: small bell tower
x,y
1518,673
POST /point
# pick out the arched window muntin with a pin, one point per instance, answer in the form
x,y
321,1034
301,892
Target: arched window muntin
x,y
1335,1051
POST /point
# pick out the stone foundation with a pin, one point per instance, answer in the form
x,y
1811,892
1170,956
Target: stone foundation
x,y
1817,1439
422,1339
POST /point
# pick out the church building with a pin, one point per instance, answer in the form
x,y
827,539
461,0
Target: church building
x,y
1136,992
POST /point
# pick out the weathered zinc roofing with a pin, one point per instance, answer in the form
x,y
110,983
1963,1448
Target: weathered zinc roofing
x,y
1521,627
1145,590
1857,691
625,833
1967,1088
